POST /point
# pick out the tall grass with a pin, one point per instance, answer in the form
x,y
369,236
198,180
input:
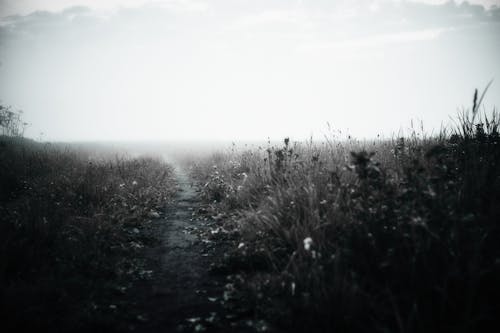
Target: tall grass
x,y
67,224
390,235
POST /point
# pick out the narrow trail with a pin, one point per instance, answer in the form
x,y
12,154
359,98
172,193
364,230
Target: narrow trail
x,y
181,291
185,271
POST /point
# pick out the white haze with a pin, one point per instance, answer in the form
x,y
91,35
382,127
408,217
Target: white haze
x,y
243,69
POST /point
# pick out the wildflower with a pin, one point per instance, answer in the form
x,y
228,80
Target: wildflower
x,y
308,243
241,245
322,202
293,288
134,182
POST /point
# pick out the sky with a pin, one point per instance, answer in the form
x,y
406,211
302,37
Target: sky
x,y
244,69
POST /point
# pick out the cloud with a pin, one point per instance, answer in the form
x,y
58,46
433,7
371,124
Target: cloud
x,y
231,26
377,41
358,23
25,7
261,13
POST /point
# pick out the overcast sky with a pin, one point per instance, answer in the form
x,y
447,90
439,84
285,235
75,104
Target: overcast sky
x,y
243,69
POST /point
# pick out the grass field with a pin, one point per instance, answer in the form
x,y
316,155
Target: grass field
x,y
395,235
69,229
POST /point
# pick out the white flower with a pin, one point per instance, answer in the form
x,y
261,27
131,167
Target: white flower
x,y
241,245
134,182
308,242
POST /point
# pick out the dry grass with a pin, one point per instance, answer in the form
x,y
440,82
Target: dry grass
x,y
397,235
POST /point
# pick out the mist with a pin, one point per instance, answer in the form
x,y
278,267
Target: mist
x,y
243,70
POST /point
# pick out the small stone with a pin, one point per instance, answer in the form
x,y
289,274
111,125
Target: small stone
x,y
193,320
154,215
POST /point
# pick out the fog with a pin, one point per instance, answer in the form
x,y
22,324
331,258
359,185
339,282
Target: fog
x,y
243,70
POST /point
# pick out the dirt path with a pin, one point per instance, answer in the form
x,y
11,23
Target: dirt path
x,y
180,294
186,281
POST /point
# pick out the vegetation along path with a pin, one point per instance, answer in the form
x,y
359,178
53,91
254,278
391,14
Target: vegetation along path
x,y
180,293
